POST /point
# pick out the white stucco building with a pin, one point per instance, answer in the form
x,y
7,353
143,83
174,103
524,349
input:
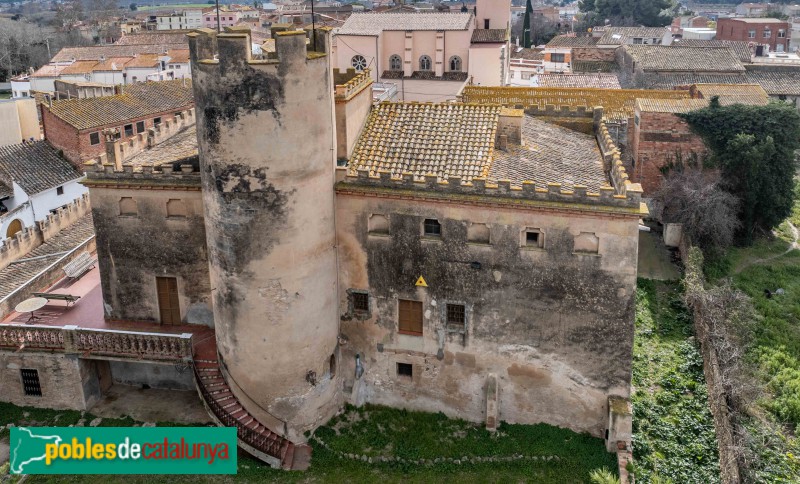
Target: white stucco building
x,y
189,19
34,180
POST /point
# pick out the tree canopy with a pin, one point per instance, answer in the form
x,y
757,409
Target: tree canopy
x,y
650,13
754,149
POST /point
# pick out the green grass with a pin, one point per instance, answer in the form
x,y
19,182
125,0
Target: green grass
x,y
379,431
673,429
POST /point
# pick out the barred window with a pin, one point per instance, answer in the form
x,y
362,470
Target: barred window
x,y
456,316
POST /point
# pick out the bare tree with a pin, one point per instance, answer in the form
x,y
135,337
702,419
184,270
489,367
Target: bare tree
x,y
693,197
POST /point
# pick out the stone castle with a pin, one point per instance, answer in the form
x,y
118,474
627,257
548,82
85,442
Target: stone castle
x,y
477,260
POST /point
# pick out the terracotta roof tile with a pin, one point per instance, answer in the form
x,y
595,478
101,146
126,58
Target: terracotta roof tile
x,y
571,41
670,105
139,100
179,147
108,51
79,67
593,66
740,48
489,36
776,83
604,81
751,94
625,35
158,37
113,64
424,138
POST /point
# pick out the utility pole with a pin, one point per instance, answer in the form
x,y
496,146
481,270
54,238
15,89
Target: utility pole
x,y
219,30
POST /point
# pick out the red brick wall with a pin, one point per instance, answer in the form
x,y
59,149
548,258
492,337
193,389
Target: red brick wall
x,y
734,29
657,139
76,144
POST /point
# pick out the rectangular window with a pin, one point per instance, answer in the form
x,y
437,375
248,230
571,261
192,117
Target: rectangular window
x,y
157,121
30,382
456,316
526,75
60,190
637,40
751,34
767,34
432,228
556,57
140,127
486,23
405,370
361,302
781,34
94,138
532,238
410,317
128,130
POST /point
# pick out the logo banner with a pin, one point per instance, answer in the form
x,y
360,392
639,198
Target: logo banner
x,y
123,450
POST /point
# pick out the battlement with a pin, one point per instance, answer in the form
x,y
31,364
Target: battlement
x,y
550,193
349,83
119,151
100,173
33,236
233,48
613,163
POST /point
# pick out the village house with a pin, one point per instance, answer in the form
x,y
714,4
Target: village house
x,y
76,126
35,181
187,19
770,33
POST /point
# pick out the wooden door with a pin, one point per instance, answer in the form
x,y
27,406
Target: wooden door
x,y
410,317
168,304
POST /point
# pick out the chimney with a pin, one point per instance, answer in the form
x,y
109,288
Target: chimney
x,y
113,152
509,127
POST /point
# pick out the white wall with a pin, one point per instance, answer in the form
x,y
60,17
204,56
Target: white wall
x,y
48,200
20,88
24,213
485,64
349,45
426,91
43,84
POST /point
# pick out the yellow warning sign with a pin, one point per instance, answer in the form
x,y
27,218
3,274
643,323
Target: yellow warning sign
x,y
421,282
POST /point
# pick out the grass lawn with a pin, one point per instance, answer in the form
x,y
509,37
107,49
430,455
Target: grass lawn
x,y
5,95
673,431
398,434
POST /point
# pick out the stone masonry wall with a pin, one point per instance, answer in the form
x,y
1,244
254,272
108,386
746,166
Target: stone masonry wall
x,y
658,139
554,324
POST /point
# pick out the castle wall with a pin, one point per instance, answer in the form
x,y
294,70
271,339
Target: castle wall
x,y
67,382
267,151
554,324
167,377
135,248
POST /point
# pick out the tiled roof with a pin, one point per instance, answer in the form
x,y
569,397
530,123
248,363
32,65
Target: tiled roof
x,y
5,191
178,147
144,60
113,64
36,166
663,58
19,273
139,100
622,35
375,23
527,54
489,36
571,41
757,20
159,37
739,47
79,67
48,70
670,105
593,66
604,81
107,51
751,94
424,138
776,83
671,80
179,56
550,154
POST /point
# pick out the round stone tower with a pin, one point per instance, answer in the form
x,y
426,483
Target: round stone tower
x,y
267,153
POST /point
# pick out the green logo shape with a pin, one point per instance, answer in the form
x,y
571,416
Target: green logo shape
x,y
123,450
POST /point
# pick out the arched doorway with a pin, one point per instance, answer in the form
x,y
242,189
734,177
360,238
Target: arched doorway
x,y
14,227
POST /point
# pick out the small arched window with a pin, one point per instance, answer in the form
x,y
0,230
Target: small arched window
x,y
395,63
455,63
13,228
358,62
425,63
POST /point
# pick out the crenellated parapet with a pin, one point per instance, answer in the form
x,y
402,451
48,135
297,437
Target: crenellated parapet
x,y
613,163
349,83
454,186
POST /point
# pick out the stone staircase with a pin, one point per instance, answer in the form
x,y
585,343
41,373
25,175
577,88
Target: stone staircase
x,y
254,437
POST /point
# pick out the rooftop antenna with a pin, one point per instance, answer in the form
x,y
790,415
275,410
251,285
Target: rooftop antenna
x,y
313,27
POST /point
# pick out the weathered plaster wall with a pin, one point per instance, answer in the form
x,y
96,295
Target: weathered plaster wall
x,y
67,382
267,148
168,377
555,326
133,250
